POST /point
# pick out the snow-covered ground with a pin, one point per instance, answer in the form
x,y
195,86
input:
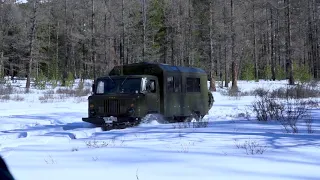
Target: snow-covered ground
x,y
48,140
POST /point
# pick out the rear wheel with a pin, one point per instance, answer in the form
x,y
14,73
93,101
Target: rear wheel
x,y
194,116
149,118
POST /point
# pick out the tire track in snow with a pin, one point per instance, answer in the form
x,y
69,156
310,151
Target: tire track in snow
x,y
73,132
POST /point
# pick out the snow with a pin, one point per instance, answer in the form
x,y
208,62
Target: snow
x,y
49,141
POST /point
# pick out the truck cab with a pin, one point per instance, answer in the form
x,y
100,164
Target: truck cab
x,y
123,99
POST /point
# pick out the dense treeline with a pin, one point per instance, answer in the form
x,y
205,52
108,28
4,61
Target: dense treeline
x,y
230,39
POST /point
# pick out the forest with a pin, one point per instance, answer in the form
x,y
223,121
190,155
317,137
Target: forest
x,y
60,40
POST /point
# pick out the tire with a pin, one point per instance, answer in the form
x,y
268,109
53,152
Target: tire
x,y
194,116
151,117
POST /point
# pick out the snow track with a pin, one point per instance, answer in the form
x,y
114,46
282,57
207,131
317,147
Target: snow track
x,y
38,128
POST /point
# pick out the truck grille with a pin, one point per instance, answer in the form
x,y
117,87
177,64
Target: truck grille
x,y
115,106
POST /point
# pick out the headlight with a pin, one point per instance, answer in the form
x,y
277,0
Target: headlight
x,y
92,112
131,111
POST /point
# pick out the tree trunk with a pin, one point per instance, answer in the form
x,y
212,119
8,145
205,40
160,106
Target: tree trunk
x,y
57,53
255,56
144,20
288,45
1,65
93,41
226,67
273,64
31,43
2,39
66,56
105,33
233,57
212,74
123,36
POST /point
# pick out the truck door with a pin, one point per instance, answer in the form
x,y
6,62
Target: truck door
x,y
173,95
153,99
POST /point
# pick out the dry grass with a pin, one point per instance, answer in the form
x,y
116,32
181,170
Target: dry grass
x,y
46,98
4,98
17,98
63,93
251,147
6,89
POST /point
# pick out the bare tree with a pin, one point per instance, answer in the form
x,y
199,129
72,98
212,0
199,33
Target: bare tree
x,y
289,67
35,4
233,57
2,41
212,73
93,39
144,24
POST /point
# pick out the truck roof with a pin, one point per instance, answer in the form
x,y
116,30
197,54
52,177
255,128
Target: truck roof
x,y
145,67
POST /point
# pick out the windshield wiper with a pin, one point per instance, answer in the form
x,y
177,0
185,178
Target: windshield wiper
x,y
122,83
111,79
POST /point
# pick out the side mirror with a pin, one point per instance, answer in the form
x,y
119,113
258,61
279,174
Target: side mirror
x,y
151,86
93,88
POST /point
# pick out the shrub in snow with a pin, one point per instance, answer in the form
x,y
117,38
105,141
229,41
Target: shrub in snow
x,y
295,92
49,92
74,149
266,108
235,93
6,89
70,80
287,112
5,98
50,160
40,81
251,147
79,91
46,98
260,92
308,122
18,98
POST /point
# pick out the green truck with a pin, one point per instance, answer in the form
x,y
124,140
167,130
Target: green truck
x,y
131,92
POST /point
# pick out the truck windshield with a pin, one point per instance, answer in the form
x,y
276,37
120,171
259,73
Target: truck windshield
x,y
118,85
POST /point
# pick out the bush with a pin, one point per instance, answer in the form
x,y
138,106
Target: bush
x,y
234,92
251,147
301,73
4,97
79,91
280,73
18,98
260,92
6,89
40,81
266,108
70,80
46,98
248,72
287,112
68,92
295,92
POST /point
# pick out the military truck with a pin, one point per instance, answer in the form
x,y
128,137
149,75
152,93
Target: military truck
x,y
131,92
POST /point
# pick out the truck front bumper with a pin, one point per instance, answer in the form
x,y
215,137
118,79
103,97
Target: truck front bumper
x,y
110,120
